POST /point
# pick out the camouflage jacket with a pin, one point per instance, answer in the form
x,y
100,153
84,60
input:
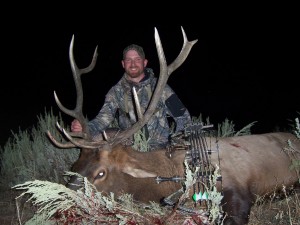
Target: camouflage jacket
x,y
119,105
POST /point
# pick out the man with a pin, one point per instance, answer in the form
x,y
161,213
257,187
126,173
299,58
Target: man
x,y
119,102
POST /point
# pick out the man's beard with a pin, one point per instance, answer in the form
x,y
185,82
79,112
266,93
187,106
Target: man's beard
x,y
134,74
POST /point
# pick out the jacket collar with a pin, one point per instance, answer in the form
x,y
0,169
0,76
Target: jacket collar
x,y
128,84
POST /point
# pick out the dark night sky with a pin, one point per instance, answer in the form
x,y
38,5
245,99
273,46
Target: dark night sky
x,y
242,68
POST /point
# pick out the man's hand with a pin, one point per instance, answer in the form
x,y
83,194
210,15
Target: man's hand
x,y
76,126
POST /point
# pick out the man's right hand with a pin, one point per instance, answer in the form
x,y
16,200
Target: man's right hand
x,y
76,126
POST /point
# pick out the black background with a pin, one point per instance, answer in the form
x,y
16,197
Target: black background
x,y
244,66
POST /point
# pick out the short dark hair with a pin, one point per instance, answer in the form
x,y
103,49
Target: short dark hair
x,y
136,48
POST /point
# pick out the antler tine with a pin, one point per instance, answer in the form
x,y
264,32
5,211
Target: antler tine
x,y
162,79
165,72
185,51
59,144
77,111
137,103
81,143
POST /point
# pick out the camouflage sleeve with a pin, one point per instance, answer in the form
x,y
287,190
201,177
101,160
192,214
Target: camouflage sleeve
x,y
183,121
105,116
176,109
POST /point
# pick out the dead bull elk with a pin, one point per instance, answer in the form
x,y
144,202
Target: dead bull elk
x,y
250,166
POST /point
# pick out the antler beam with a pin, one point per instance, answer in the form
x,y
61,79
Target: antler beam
x,y
77,111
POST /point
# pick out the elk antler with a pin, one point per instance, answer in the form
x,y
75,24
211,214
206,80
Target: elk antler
x,y
77,111
165,72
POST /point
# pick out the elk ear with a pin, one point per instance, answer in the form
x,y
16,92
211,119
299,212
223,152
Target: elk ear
x,y
138,173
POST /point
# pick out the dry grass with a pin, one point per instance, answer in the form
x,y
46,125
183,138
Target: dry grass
x,y
283,208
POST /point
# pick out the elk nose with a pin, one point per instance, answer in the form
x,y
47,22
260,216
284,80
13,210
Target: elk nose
x,y
74,183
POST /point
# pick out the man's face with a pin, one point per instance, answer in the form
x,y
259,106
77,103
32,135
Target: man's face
x,y
134,64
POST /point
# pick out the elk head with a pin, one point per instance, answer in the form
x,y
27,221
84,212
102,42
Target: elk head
x,y
91,148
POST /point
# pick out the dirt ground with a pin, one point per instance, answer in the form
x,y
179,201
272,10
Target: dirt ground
x,y
12,213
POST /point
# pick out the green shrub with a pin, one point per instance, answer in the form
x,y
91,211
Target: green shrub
x,y
30,155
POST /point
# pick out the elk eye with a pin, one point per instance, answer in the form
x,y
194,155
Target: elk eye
x,y
101,174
